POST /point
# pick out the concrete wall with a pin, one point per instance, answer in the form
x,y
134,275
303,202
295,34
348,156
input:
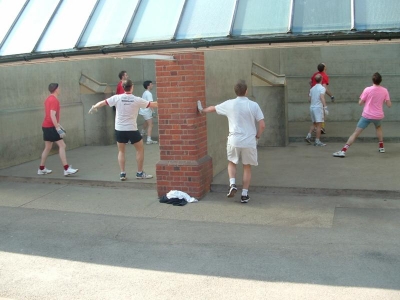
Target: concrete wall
x,y
24,88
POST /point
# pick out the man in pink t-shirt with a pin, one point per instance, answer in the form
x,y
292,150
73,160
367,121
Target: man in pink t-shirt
x,y
372,98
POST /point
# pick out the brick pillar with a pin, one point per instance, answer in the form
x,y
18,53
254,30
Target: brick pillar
x,y
184,163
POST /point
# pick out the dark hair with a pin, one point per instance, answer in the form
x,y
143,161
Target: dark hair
x,y
240,88
377,78
121,74
146,84
321,67
53,87
318,78
127,84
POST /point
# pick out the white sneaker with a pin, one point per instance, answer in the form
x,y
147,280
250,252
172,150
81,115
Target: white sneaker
x,y
143,175
143,132
381,150
70,171
44,171
339,154
149,142
319,144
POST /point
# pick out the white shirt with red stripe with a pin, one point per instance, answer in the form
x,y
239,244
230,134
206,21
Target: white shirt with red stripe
x,y
127,106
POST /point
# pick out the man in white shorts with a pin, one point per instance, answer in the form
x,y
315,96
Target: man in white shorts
x,y
147,113
126,130
243,114
318,109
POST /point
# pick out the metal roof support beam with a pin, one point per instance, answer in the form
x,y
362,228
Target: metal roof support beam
x,y
291,13
13,24
47,25
353,16
87,24
131,22
180,20
233,17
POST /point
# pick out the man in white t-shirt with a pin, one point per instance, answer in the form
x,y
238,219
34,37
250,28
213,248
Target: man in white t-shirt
x,y
373,98
242,114
318,110
147,113
126,129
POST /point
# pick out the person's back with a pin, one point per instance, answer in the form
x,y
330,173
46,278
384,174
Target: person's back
x,y
374,97
315,94
242,114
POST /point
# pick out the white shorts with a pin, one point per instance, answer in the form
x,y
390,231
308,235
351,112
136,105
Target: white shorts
x,y
317,114
248,155
147,114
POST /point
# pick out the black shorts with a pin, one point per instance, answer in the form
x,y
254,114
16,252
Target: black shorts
x,y
50,134
128,136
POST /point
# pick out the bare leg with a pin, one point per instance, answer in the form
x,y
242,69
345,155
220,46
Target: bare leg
x,y
246,176
121,156
149,127
312,128
379,133
139,155
318,133
354,136
46,151
61,151
231,170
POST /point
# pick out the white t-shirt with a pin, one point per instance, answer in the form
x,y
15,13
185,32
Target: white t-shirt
x,y
127,106
149,97
315,94
242,116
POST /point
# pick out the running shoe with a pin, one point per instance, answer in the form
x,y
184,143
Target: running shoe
x,y
339,154
381,150
142,132
122,176
149,142
245,199
143,175
323,131
44,171
70,171
308,139
232,191
319,144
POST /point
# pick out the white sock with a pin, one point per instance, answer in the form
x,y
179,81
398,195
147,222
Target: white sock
x,y
244,192
316,140
148,138
232,181
308,135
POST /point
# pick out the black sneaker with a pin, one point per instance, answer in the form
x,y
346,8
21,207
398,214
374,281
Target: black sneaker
x,y
122,176
245,199
232,191
323,131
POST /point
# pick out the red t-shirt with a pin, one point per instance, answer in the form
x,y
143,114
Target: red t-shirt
x,y
120,89
325,78
51,103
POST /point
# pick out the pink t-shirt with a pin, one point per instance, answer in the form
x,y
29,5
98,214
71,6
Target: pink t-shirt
x,y
374,97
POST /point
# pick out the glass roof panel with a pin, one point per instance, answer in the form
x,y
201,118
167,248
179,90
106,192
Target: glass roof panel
x,y
8,12
203,19
109,23
262,16
58,36
29,27
317,15
155,21
370,14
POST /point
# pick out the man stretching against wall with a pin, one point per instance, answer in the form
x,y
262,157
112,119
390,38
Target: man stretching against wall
x,y
242,116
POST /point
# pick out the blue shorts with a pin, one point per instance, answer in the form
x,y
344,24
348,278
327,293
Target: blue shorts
x,y
363,123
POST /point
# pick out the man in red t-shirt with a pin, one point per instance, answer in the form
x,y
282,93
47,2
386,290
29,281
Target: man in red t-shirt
x,y
325,82
122,77
53,132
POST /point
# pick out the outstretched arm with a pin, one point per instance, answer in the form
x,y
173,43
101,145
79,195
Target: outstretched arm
x,y
209,109
97,105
